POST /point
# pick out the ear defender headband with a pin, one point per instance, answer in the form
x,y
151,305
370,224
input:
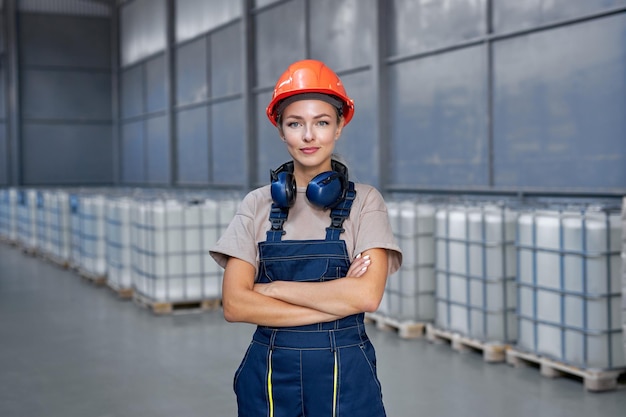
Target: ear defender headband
x,y
325,190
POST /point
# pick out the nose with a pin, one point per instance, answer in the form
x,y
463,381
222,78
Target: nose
x,y
308,133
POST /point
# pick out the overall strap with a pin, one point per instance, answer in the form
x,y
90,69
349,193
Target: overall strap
x,y
278,217
340,213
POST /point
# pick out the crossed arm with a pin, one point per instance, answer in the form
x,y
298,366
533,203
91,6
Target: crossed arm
x,y
288,303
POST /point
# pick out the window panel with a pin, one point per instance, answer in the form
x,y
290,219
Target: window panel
x,y
193,146
510,15
191,72
342,32
279,37
559,107
420,25
194,17
227,133
438,120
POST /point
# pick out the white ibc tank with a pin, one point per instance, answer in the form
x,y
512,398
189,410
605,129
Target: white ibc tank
x,y
170,241
410,292
118,243
58,224
475,271
27,219
570,293
8,214
92,235
75,230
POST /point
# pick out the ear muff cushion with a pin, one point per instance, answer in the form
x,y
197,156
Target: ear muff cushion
x,y
283,189
327,189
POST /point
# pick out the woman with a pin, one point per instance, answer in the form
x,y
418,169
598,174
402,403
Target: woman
x,y
304,258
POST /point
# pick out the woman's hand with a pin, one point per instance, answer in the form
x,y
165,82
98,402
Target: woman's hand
x,y
359,266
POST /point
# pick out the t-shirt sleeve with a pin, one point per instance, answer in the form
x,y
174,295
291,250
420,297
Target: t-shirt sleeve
x,y
374,229
238,240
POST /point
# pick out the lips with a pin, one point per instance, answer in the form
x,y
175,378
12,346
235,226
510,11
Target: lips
x,y
308,151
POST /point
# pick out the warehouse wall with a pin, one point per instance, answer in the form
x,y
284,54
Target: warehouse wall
x,y
478,95
63,106
450,95
4,146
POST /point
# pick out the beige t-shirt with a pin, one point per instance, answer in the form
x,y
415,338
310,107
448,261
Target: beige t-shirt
x,y
367,227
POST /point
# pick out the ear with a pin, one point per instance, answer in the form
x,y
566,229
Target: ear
x,y
281,133
340,126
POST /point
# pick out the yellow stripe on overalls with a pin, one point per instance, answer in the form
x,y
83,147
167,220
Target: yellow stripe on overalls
x,y
269,386
335,372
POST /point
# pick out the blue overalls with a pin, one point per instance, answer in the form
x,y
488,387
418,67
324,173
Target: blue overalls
x,y
317,370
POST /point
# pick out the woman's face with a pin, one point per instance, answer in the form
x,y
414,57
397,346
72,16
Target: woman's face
x,y
310,129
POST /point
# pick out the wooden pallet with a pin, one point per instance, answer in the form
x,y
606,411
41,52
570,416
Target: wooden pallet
x,y
61,263
124,293
30,251
492,351
594,380
170,307
406,329
8,241
95,279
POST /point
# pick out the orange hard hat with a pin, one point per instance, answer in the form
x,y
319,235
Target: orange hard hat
x,y
309,76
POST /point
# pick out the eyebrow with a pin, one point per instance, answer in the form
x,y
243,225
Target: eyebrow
x,y
295,116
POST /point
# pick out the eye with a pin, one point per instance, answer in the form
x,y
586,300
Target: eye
x,y
323,123
293,125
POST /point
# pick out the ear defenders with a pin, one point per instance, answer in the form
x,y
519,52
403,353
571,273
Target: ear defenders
x,y
325,190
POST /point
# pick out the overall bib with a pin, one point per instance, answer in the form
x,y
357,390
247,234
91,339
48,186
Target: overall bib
x,y
317,370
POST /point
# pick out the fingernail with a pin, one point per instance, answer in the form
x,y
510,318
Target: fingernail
x,y
367,262
366,257
364,268
358,256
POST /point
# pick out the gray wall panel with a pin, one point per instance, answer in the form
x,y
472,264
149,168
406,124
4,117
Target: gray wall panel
x,y
280,40
271,150
191,72
194,17
132,151
65,100
347,25
419,25
142,29
156,84
65,41
510,15
359,143
66,154
226,65
227,133
193,146
158,151
66,95
3,90
132,92
438,120
4,155
560,102
261,3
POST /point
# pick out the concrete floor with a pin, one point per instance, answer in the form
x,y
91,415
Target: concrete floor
x,y
71,349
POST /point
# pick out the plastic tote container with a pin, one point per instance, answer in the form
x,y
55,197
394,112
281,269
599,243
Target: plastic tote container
x,y
27,219
8,214
475,271
75,230
569,286
170,241
92,235
118,243
58,223
410,292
